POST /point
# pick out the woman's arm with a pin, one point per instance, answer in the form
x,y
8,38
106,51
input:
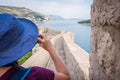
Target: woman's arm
x,y
62,72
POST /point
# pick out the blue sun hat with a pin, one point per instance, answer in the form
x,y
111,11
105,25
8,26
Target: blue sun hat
x,y
17,37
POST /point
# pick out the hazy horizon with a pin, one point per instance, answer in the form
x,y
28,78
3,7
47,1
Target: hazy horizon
x,y
79,9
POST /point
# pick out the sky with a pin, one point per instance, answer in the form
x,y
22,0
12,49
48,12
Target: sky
x,y
65,8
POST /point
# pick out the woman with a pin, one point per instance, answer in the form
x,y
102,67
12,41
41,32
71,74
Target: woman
x,y
17,37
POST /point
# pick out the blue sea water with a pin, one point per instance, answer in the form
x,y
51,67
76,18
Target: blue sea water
x,y
81,31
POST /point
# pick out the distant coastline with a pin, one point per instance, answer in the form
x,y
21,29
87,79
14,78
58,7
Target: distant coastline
x,y
23,12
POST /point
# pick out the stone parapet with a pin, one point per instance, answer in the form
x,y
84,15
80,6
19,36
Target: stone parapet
x,y
76,59
39,58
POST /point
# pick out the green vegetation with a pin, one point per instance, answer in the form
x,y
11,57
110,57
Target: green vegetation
x,y
23,13
85,21
24,58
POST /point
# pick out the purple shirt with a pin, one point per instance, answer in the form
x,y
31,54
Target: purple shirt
x,y
37,73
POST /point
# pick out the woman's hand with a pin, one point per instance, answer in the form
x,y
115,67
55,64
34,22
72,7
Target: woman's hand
x,y
62,72
44,42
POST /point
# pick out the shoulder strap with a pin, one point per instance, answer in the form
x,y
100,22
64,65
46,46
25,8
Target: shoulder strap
x,y
21,74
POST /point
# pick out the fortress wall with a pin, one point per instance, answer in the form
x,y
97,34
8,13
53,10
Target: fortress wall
x,y
105,39
76,59
40,58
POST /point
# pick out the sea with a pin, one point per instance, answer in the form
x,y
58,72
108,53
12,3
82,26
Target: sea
x,y
81,31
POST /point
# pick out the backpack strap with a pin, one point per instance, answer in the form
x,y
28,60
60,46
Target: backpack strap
x,y
21,74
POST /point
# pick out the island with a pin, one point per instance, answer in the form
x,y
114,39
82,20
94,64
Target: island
x,y
85,21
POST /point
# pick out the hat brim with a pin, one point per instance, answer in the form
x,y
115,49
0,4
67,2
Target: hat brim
x,y
27,42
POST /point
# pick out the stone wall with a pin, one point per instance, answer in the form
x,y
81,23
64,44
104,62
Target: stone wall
x,y
40,56
105,57
76,59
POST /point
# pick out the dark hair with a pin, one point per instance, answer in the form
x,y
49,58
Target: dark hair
x,y
11,64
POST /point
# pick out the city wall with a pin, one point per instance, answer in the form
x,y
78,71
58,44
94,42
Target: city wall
x,y
75,58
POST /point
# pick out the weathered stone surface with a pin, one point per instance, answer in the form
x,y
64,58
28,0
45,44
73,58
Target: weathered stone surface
x,y
76,59
39,58
105,56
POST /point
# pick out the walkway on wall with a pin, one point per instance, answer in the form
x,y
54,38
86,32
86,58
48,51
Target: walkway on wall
x,y
76,59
